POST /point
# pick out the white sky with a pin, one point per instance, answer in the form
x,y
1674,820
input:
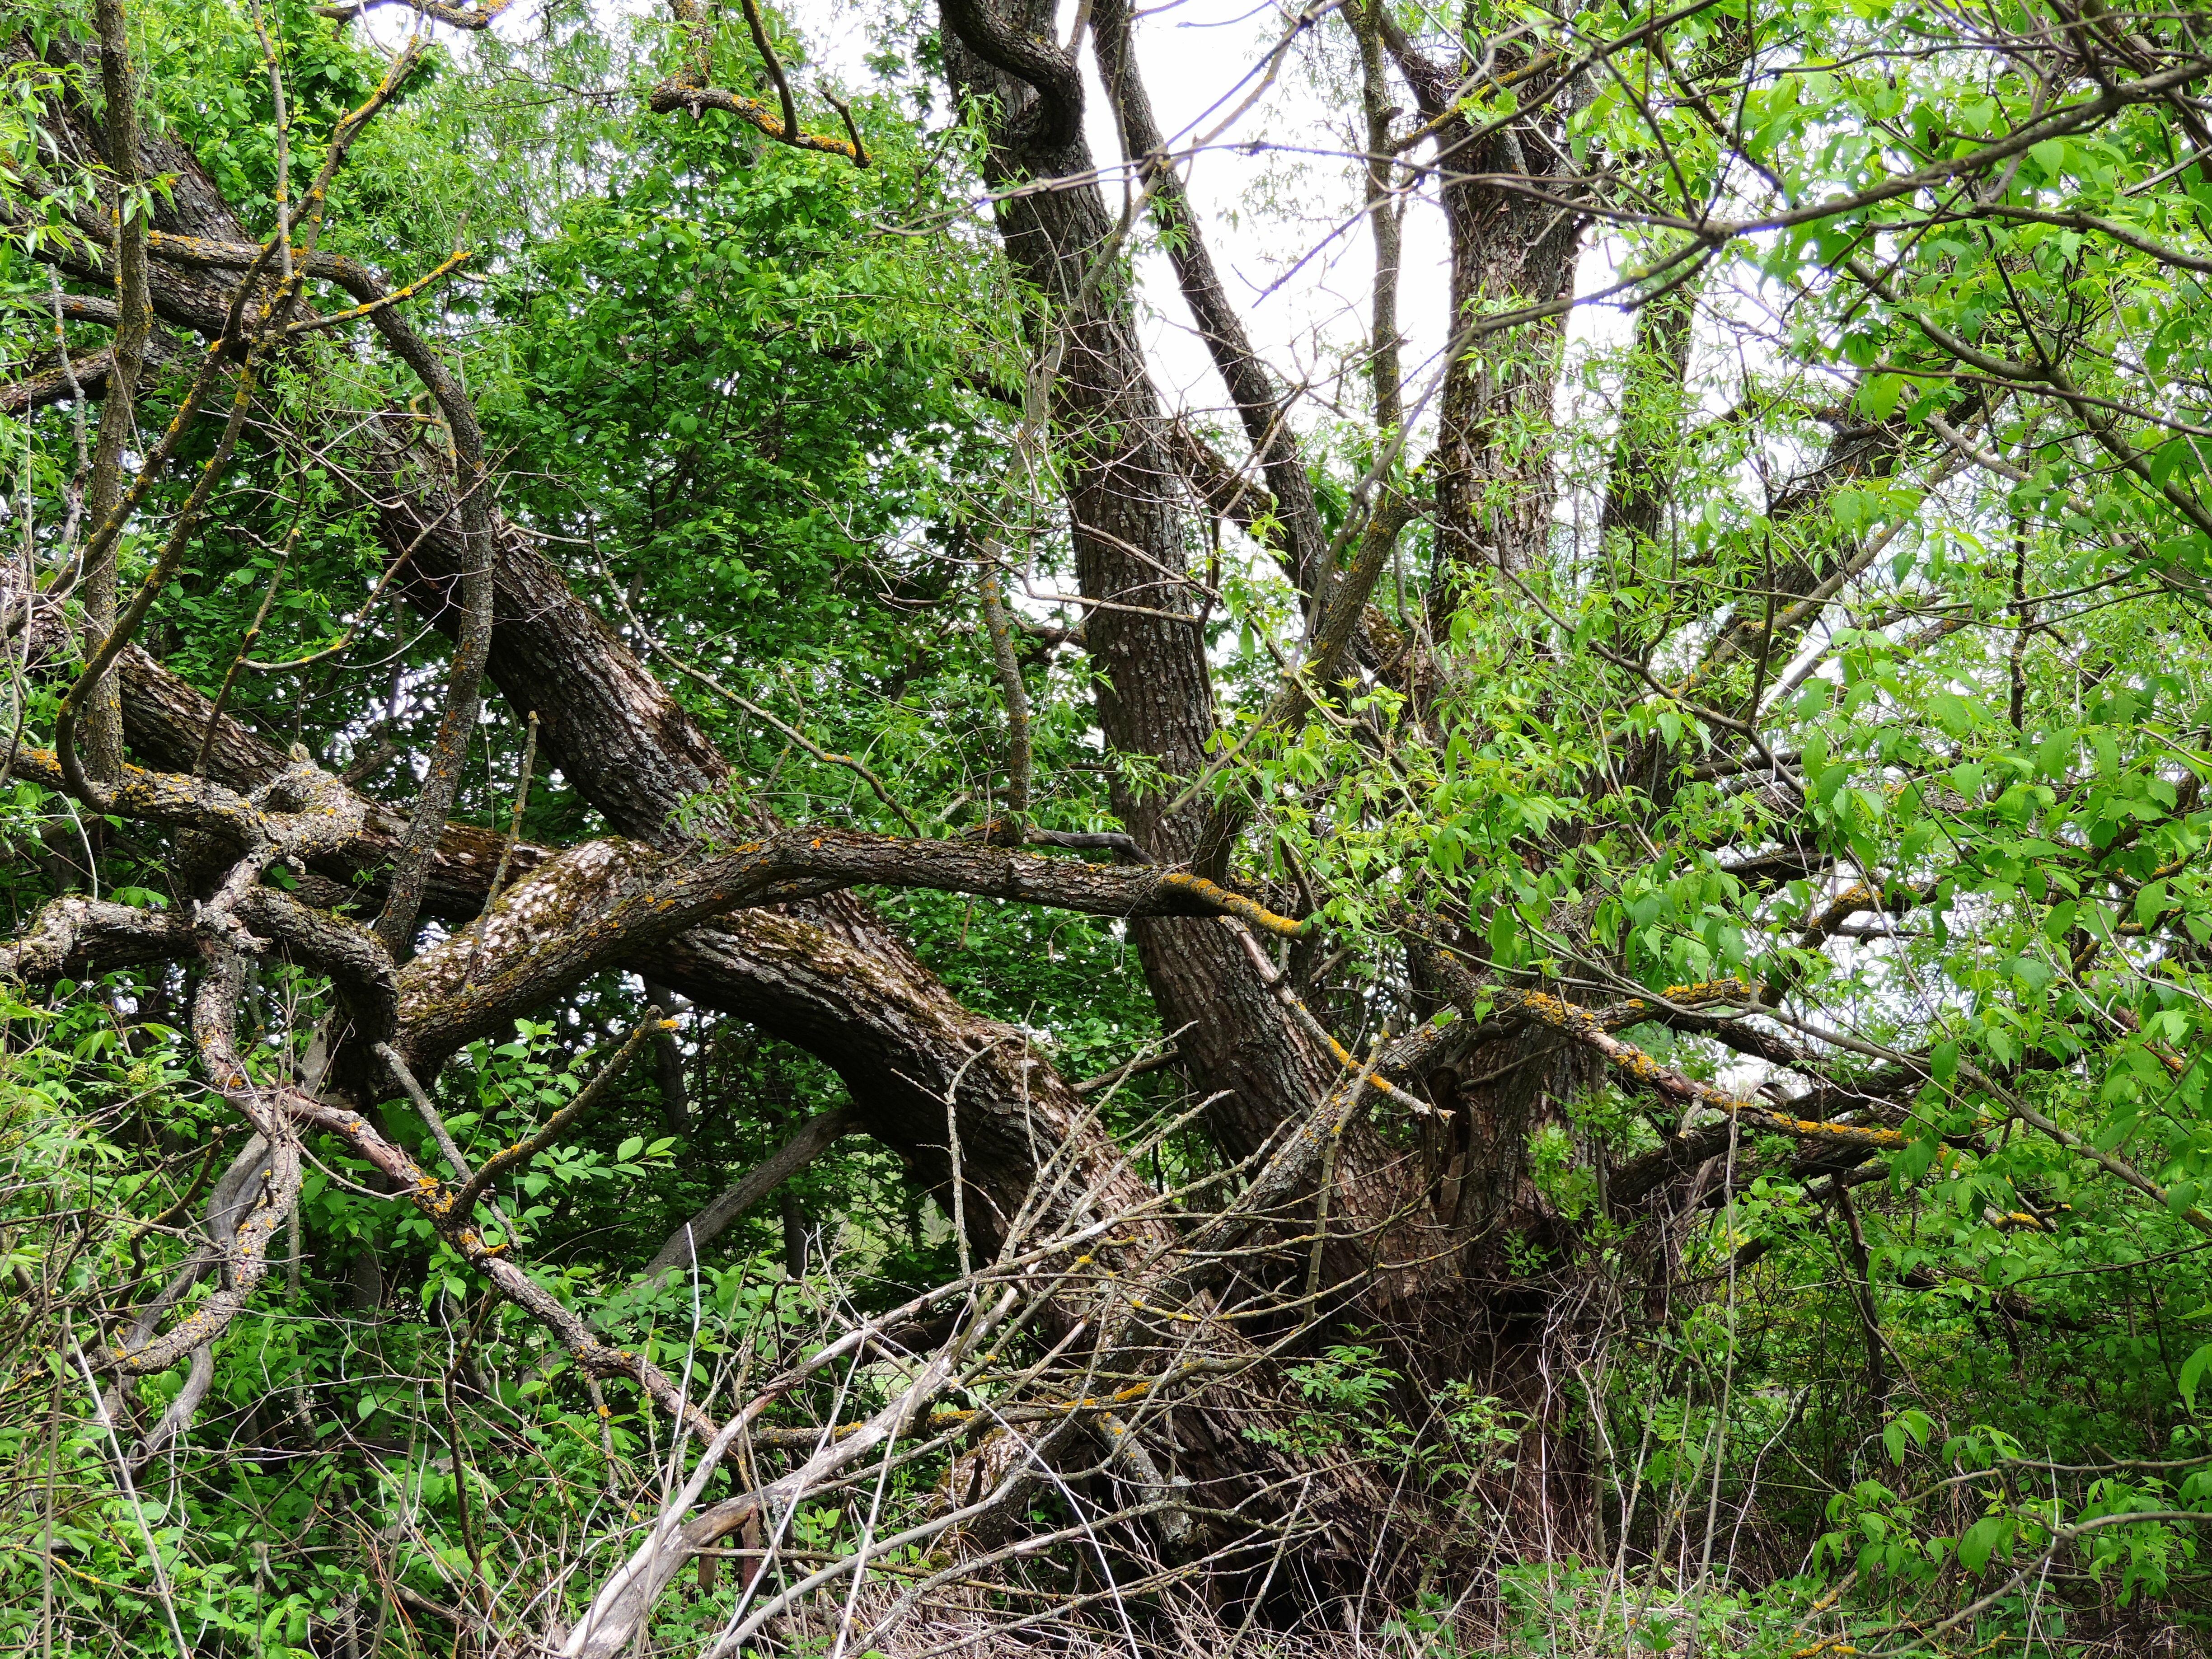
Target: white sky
x,y
1280,222
1275,190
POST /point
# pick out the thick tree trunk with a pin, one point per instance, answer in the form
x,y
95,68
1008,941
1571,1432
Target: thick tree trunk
x,y
1439,1285
1131,523
827,975
1496,485
1243,1050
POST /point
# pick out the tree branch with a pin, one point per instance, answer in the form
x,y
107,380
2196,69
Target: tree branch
x,y
814,1138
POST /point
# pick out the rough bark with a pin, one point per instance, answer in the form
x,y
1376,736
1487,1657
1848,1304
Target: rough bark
x,y
1245,1049
825,976
639,758
1130,520
1263,407
1495,487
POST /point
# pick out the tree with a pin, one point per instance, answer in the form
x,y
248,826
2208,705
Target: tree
x,y
588,509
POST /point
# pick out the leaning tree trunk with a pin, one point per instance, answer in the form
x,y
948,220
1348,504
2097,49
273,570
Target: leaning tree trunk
x,y
825,974
1445,1285
1241,1046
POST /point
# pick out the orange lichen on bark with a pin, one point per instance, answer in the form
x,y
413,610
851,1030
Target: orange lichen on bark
x,y
1639,1068
1249,911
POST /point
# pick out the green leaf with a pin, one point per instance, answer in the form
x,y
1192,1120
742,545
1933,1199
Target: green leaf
x,y
1943,1063
1952,712
2192,1373
2150,903
1893,1439
1878,394
629,1149
1981,1541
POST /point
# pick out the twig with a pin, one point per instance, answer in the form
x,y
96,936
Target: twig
x,y
851,762
1018,758
523,1152
131,1493
425,1108
774,64
245,650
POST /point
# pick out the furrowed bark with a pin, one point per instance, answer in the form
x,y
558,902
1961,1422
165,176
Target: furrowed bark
x,y
1494,495
1243,1050
1261,406
1494,477
826,975
604,902
1130,526
103,720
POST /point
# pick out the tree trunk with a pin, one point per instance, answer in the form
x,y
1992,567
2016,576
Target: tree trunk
x,y
1495,482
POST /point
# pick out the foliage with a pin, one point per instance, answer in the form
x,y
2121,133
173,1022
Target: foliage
x,y
1860,787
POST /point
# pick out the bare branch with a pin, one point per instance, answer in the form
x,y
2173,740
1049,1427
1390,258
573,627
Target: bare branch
x,y
815,1137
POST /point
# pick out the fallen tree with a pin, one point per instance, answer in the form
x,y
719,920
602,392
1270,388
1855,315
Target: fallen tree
x,y
1523,912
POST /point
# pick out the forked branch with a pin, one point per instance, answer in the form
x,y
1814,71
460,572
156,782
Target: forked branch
x,y
688,89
